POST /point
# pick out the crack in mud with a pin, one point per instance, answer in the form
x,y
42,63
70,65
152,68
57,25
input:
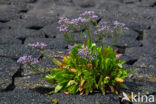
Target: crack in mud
x,y
12,85
22,39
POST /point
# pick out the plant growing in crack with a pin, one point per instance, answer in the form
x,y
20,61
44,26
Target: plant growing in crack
x,y
88,67
28,62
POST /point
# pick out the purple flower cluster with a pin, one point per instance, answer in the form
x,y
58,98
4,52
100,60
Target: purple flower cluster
x,y
63,28
26,60
66,25
63,24
94,16
90,15
63,20
86,54
78,20
87,13
70,47
38,45
83,20
83,52
116,23
74,21
100,29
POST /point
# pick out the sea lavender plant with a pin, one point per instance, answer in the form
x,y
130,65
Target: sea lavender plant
x,y
83,22
27,60
102,33
40,46
118,30
89,67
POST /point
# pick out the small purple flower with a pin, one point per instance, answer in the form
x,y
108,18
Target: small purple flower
x,y
70,47
38,45
99,25
34,61
84,20
63,20
104,28
116,23
83,52
22,59
63,28
101,28
95,17
122,24
64,24
87,13
27,60
74,21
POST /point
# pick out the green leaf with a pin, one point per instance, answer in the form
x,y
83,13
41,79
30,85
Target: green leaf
x,y
73,89
62,81
100,80
96,63
107,63
50,78
58,88
79,73
121,61
102,88
66,75
51,92
54,60
89,43
53,72
93,45
102,64
120,65
105,81
71,82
